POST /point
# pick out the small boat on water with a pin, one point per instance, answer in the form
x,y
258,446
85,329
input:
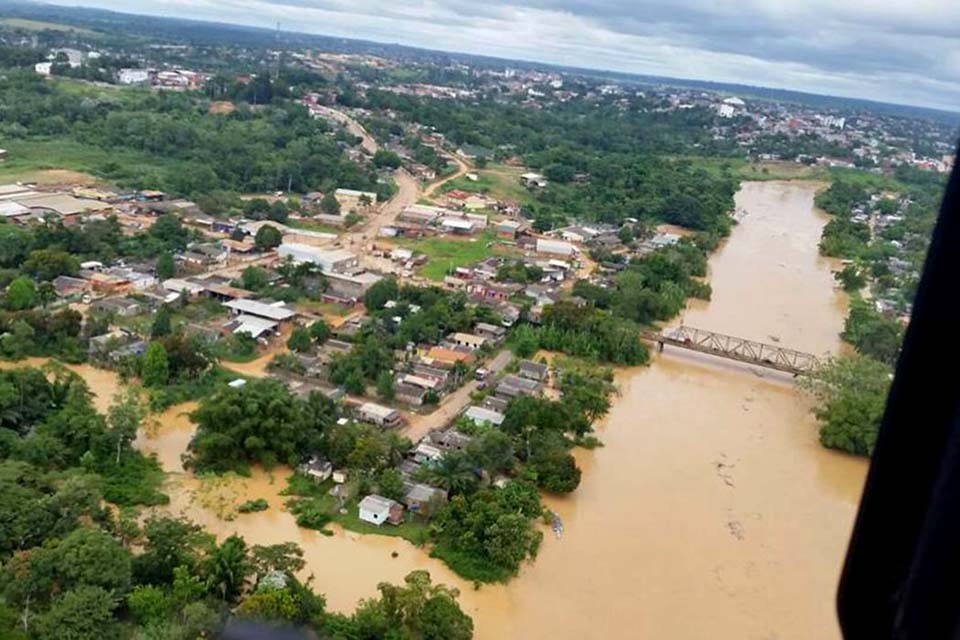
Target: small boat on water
x,y
557,525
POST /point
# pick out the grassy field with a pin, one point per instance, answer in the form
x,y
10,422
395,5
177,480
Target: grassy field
x,y
761,170
413,530
37,25
497,181
448,252
29,160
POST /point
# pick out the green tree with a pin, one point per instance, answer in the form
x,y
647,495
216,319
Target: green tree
x,y
254,278
524,341
149,604
557,471
278,212
162,323
124,418
155,367
22,294
85,613
228,568
872,333
454,473
299,340
390,484
851,393
47,264
27,579
380,293
320,331
268,237
170,231
171,552
166,267
329,204
262,422
417,609
385,385
386,159
493,451
47,293
88,556
851,278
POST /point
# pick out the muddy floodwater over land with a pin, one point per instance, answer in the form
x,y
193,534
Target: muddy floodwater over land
x,y
712,511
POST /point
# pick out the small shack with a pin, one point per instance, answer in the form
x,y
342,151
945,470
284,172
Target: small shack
x,y
377,510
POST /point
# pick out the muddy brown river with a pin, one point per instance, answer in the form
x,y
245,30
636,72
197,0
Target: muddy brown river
x,y
711,511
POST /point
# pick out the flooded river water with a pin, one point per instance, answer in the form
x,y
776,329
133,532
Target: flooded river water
x,y
712,511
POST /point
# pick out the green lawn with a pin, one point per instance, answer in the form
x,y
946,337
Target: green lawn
x,y
414,532
497,181
298,485
764,170
448,253
26,158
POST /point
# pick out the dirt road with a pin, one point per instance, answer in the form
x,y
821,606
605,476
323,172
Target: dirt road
x,y
462,169
452,404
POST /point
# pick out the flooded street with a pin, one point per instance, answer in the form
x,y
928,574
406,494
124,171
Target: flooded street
x,y
711,511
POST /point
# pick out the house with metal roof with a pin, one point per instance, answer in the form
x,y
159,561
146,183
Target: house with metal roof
x,y
276,311
377,510
481,416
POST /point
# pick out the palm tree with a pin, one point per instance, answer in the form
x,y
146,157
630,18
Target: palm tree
x,y
229,567
453,472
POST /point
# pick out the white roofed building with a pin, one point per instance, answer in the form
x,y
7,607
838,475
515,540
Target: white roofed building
x,y
276,311
556,248
329,260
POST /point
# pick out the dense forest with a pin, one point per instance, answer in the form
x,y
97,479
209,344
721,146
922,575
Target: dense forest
x,y
604,162
176,144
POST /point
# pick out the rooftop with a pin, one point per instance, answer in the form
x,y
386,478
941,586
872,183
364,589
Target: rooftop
x,y
275,311
374,502
380,411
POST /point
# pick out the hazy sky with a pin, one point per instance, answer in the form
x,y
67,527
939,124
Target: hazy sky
x,y
905,51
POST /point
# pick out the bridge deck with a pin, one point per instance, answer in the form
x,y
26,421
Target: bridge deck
x,y
748,351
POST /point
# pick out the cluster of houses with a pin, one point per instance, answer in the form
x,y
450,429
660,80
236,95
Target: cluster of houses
x,y
422,499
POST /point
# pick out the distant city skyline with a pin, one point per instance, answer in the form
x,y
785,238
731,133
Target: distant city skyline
x,y
907,53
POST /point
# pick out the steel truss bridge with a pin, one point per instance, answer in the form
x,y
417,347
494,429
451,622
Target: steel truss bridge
x,y
760,354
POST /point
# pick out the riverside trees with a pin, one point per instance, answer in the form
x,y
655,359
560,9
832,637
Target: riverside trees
x,y
70,567
262,422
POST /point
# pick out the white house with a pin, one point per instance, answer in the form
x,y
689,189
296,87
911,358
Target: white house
x,y
533,180
556,247
379,415
133,76
377,510
329,260
481,416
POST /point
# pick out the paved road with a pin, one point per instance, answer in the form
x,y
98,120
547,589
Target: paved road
x,y
452,404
